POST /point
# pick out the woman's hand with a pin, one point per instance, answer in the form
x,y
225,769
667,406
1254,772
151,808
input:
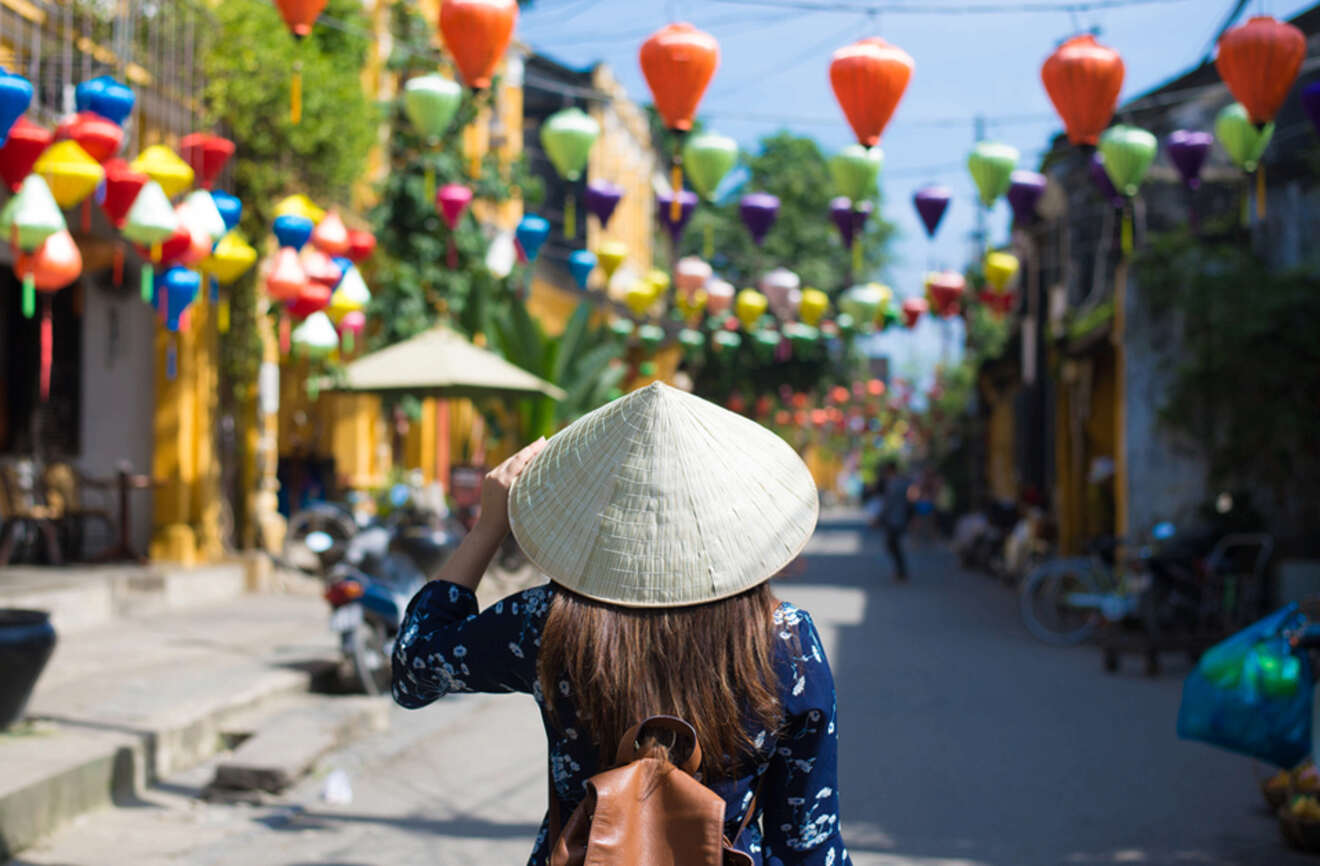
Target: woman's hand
x,y
494,518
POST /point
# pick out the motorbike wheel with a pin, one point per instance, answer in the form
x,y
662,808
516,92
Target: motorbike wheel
x,y
1043,602
371,662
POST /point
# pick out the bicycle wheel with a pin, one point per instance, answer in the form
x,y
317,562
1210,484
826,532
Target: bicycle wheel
x,y
1046,602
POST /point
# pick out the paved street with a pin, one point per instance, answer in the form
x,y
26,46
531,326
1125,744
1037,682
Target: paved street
x,y
965,744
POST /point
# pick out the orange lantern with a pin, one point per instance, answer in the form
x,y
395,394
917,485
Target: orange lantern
x,y
678,61
869,78
1259,61
299,16
477,33
54,265
1083,78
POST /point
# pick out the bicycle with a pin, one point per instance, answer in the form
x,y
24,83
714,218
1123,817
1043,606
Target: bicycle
x,y
1064,601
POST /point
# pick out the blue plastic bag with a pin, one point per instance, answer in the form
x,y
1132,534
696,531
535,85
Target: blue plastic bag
x,y
1252,693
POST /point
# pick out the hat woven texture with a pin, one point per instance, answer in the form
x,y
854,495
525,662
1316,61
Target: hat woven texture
x,y
662,499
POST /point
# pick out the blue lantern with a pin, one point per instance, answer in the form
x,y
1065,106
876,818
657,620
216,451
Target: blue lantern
x,y
15,97
344,263
294,231
106,97
531,234
231,209
580,264
180,287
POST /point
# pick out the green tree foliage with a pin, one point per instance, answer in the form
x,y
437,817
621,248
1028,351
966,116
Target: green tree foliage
x,y
412,283
249,56
583,361
1245,388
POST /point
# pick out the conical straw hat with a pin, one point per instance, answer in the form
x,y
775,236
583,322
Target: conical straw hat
x,y
662,499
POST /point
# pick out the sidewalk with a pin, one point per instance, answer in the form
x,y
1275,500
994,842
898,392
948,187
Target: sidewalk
x,y
125,702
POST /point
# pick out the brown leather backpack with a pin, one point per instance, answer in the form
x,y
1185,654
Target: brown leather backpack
x,y
648,812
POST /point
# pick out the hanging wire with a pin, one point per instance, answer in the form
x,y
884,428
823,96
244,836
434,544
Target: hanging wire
x,y
946,8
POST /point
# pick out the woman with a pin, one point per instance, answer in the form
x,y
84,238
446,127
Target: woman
x,y
659,519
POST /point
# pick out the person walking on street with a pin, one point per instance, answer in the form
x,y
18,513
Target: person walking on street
x,y
894,514
659,519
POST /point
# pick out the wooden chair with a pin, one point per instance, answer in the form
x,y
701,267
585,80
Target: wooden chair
x,y
21,514
64,487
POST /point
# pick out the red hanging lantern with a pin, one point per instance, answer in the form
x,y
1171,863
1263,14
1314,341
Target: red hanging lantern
x,y
1083,78
477,33
207,154
286,278
319,267
869,78
26,142
300,15
172,250
101,138
678,62
122,185
361,244
946,290
54,265
1259,61
913,309
312,298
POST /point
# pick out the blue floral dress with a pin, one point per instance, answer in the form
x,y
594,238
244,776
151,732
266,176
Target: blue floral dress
x,y
447,646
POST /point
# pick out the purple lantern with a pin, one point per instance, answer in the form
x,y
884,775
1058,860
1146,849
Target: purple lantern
x,y
860,215
1188,150
1102,182
1024,193
687,200
932,202
759,210
1311,103
841,212
602,198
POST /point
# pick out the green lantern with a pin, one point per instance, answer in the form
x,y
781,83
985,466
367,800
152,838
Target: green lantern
x,y
991,164
1128,153
726,341
431,101
651,336
567,137
846,324
1242,139
28,219
861,303
767,340
856,170
707,158
692,341
622,328
803,337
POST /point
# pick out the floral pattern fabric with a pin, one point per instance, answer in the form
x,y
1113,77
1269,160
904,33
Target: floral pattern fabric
x,y
447,646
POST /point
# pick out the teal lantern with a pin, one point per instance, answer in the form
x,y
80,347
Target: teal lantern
x,y
567,137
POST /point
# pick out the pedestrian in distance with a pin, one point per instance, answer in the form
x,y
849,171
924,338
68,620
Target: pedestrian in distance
x,y
895,512
665,670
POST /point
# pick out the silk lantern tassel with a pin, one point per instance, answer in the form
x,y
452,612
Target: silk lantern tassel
x,y
47,347
570,215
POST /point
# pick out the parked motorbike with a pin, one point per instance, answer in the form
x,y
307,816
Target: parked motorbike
x,y
382,568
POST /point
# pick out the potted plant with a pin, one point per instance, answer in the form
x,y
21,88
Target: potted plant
x,y
27,640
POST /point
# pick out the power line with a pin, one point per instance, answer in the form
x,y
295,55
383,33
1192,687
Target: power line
x,y
946,8
781,65
948,122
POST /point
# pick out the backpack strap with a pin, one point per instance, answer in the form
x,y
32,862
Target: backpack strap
x,y
751,810
685,736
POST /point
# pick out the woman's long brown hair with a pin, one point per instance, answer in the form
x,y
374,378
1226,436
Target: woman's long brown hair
x,y
710,664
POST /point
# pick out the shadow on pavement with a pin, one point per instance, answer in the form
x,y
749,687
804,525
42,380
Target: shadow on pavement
x,y
297,819
966,743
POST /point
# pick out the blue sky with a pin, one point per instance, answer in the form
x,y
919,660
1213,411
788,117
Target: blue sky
x,y
774,74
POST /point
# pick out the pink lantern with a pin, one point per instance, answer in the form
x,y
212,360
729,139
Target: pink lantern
x,y
691,274
719,297
452,199
199,240
320,268
351,327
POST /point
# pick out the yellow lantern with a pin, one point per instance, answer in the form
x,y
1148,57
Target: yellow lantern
x,y
232,258
659,279
300,205
610,256
70,172
640,296
749,307
815,304
691,304
1000,269
166,168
